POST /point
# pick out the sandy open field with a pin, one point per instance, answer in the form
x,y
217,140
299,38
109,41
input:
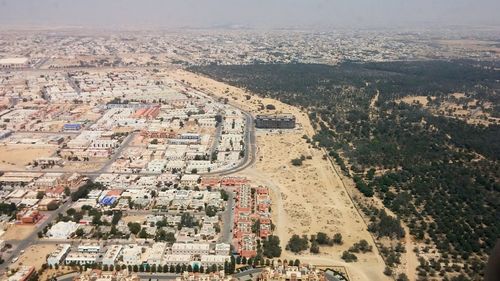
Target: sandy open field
x,y
306,199
17,232
133,218
35,255
82,166
16,157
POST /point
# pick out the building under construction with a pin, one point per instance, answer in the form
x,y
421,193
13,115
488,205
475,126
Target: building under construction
x,y
275,121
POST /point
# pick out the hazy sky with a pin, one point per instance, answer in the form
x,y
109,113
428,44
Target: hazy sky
x,y
250,13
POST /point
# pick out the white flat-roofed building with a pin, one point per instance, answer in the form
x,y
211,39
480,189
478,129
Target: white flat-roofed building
x,y
57,256
222,249
207,122
201,166
89,248
112,254
62,230
190,136
104,144
190,179
190,249
18,193
174,154
155,253
132,254
176,259
94,194
209,260
175,164
81,258
157,165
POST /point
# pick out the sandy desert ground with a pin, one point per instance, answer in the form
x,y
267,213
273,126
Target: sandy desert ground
x,y
306,199
18,232
16,157
35,255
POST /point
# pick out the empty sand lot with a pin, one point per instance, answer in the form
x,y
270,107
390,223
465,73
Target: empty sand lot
x,y
306,199
35,255
17,156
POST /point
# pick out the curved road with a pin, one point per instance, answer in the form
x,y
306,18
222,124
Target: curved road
x,y
250,150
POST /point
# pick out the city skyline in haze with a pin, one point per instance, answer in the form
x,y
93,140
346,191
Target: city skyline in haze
x,y
250,14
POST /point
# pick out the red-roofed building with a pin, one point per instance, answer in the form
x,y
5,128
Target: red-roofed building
x,y
114,192
28,216
55,192
213,182
234,181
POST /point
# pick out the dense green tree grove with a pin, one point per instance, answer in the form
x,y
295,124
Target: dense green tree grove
x,y
440,175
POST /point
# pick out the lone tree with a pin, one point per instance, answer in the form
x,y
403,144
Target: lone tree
x,y
297,162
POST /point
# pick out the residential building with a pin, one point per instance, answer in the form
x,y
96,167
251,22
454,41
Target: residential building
x,y
57,256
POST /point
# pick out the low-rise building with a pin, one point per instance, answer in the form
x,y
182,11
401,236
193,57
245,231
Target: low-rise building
x,y
89,248
222,249
132,255
62,230
57,256
155,253
81,258
190,249
209,260
275,121
112,254
176,259
190,180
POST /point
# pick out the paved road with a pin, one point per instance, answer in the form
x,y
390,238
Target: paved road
x,y
88,68
218,132
250,150
244,275
18,246
68,277
48,132
248,160
227,218
117,153
40,63
142,275
73,84
159,276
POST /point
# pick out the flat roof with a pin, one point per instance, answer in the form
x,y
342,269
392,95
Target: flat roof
x,y
13,60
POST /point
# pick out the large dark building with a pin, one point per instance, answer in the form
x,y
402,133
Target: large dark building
x,y
275,121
